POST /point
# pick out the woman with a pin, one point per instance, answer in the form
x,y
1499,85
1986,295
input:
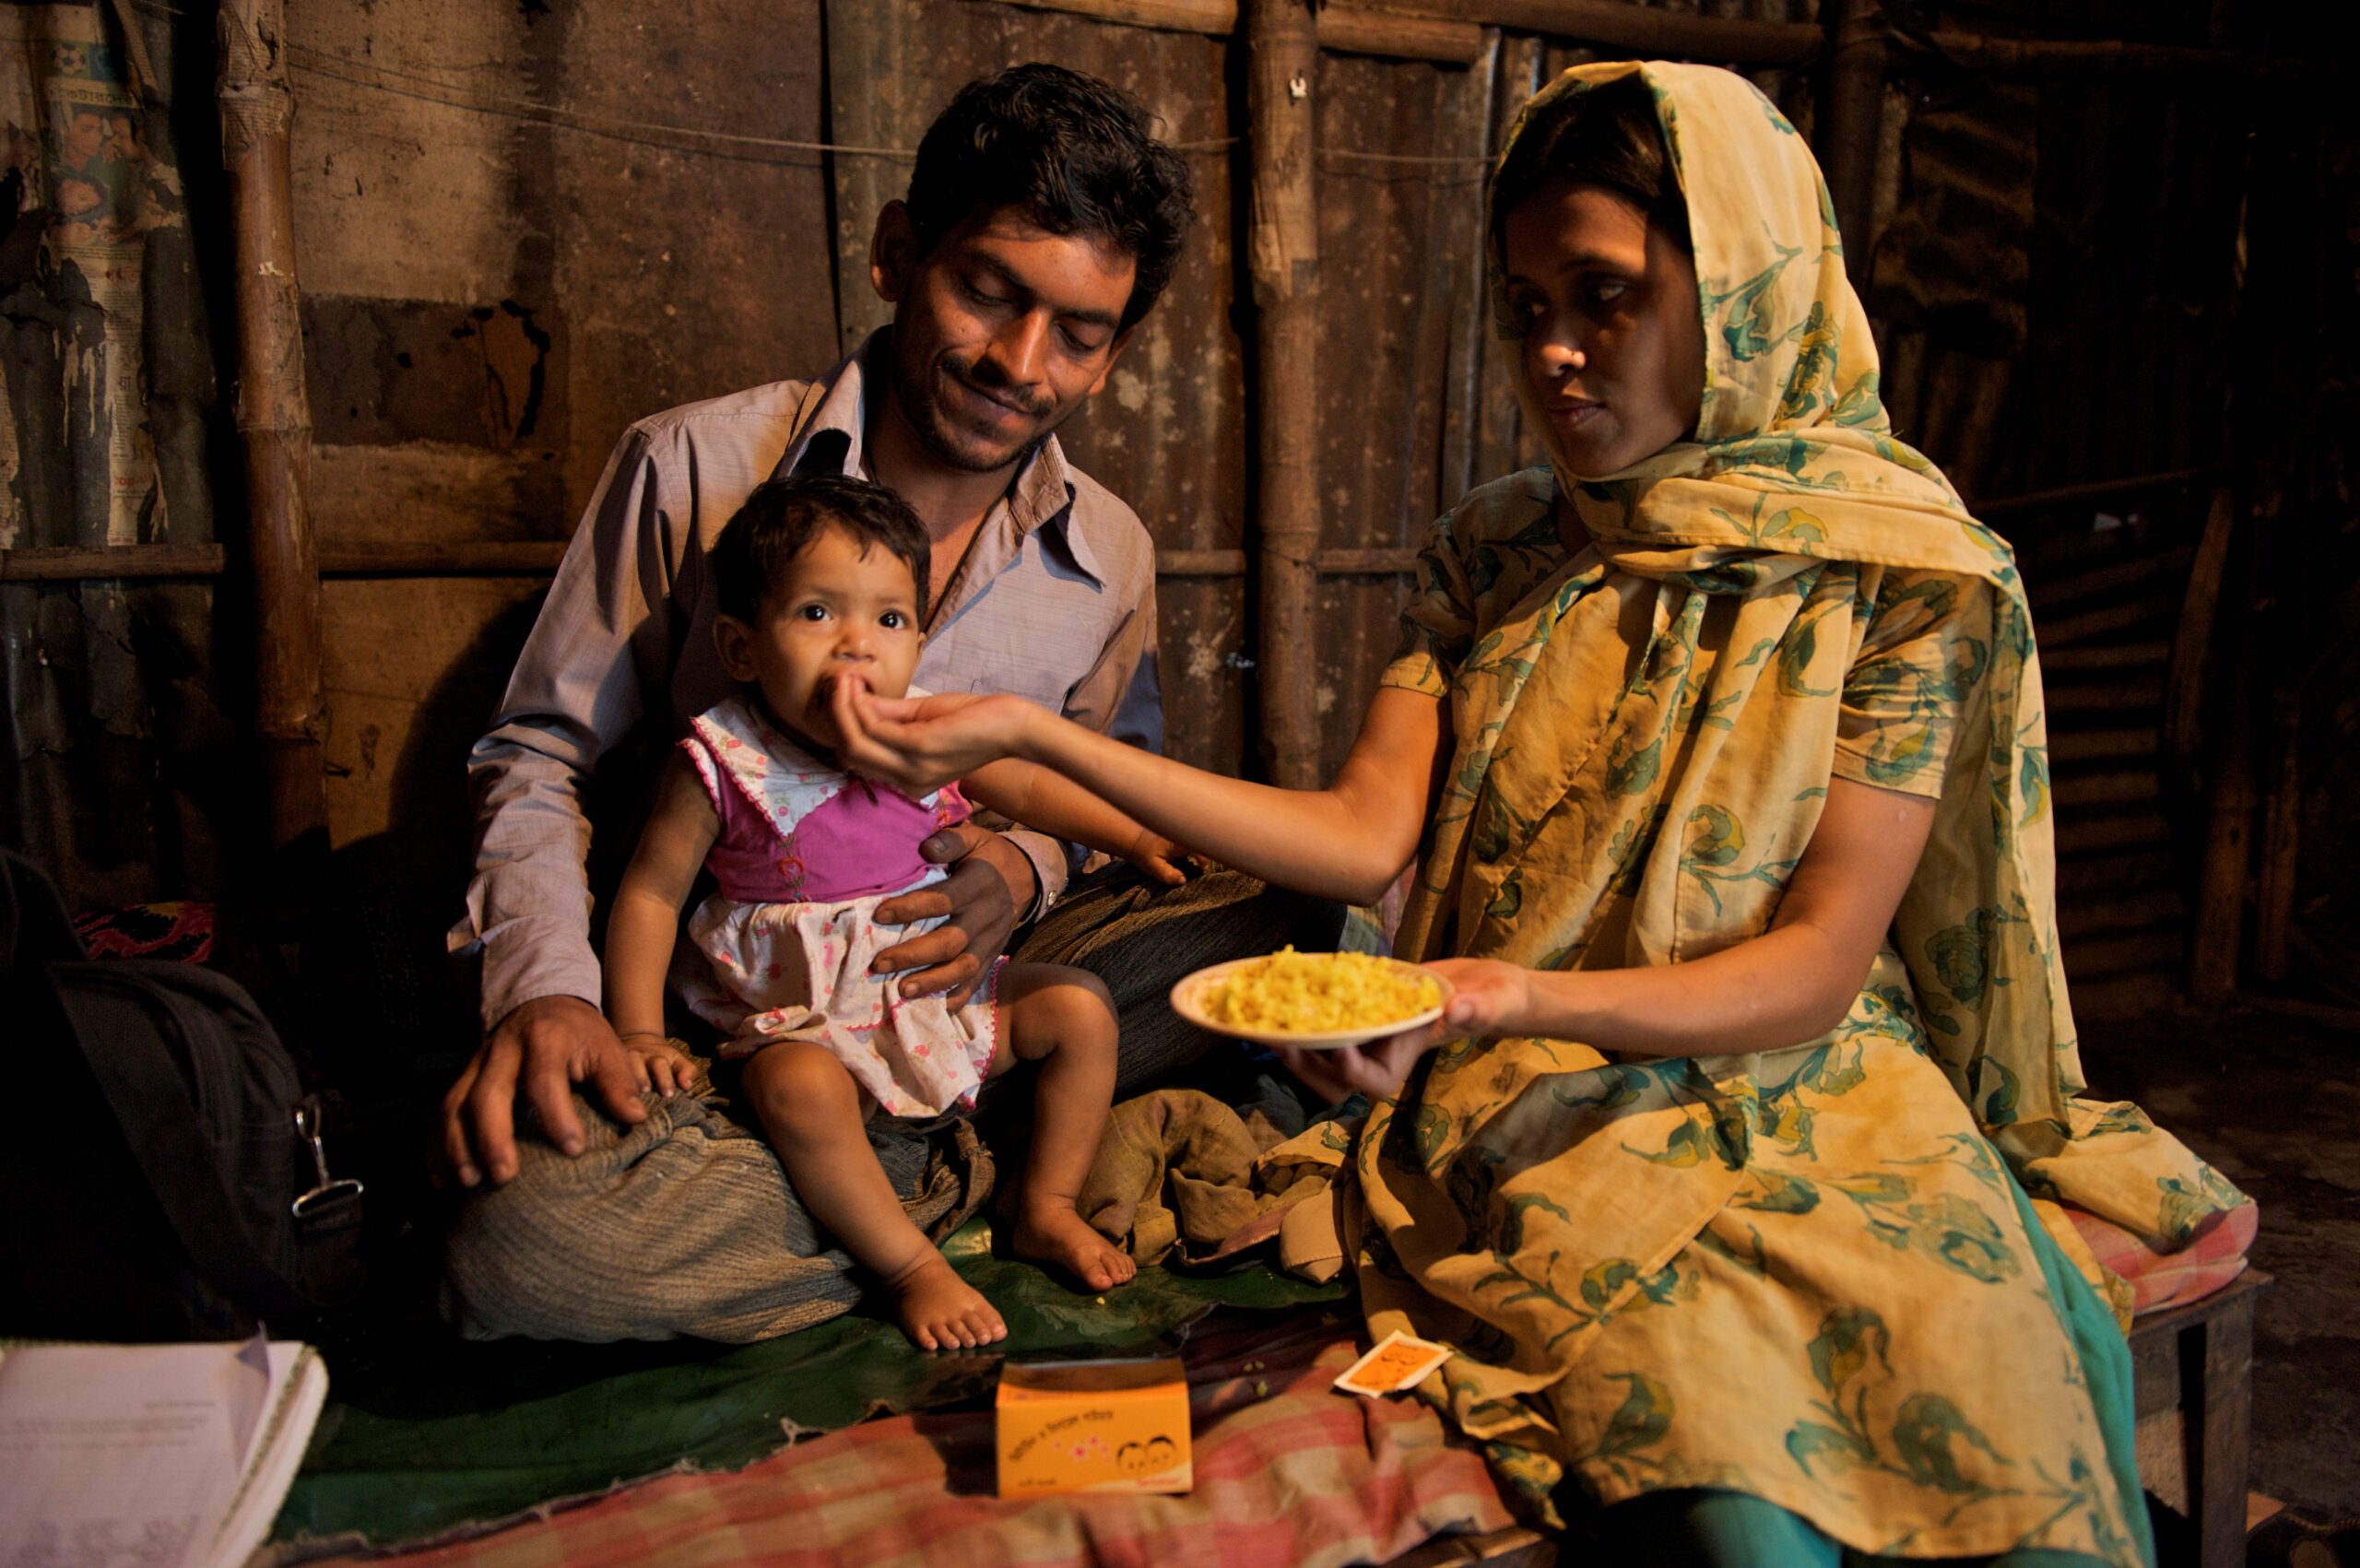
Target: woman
x,y
1720,747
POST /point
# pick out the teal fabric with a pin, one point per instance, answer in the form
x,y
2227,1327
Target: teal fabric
x,y
1730,1529
1703,1529
1697,1529
2105,1362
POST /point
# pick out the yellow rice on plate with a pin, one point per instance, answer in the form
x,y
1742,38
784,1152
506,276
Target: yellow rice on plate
x,y
1295,993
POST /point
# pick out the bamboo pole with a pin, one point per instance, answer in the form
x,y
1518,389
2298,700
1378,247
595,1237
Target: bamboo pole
x,y
2094,745
2193,646
83,563
1283,251
274,420
1850,123
2156,567
2100,489
462,557
2232,792
1350,31
1643,30
2134,868
2281,836
2146,909
1451,31
2077,60
2103,656
2065,630
533,558
2136,788
2091,959
2119,834
1447,40
2077,699
1380,562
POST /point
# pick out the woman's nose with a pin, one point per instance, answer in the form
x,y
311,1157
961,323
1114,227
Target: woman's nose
x,y
1560,353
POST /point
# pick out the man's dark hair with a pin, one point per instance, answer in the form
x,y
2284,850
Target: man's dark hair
x,y
1608,137
782,516
1071,150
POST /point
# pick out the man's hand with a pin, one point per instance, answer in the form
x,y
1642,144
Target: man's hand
x,y
990,880
1487,997
541,1050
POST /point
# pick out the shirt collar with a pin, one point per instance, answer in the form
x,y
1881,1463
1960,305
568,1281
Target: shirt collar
x,y
828,425
835,414
1042,496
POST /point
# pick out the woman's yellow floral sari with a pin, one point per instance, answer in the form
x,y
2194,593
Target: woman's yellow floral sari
x,y
1802,1274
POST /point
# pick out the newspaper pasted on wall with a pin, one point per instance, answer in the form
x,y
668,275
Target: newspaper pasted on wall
x,y
86,174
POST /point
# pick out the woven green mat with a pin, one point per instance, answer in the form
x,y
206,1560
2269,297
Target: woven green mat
x,y
418,1440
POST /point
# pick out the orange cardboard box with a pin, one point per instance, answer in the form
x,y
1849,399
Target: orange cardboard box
x,y
1094,1426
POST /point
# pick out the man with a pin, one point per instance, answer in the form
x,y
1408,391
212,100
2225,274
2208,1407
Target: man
x,y
1041,223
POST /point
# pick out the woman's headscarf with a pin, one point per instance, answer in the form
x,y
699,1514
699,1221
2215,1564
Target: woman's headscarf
x,y
1793,451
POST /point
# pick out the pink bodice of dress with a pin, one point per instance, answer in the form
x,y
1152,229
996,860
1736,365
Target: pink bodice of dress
x,y
795,830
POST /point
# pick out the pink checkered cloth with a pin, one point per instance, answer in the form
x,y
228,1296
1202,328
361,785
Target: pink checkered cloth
x,y
2213,1257
1287,1471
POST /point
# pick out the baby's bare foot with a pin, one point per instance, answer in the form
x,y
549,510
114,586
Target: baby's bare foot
x,y
940,1311
1053,1232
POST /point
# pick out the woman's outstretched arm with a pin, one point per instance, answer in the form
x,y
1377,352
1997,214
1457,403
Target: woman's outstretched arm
x,y
1348,842
1034,797
1793,983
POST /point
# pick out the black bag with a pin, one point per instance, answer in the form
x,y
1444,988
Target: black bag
x,y
164,1176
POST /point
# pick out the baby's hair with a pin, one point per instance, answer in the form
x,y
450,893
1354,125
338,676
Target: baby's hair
x,y
782,516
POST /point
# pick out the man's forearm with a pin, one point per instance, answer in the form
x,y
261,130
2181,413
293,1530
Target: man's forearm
x,y
528,902
576,690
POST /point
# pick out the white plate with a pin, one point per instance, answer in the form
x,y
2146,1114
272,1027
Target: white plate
x,y
1185,994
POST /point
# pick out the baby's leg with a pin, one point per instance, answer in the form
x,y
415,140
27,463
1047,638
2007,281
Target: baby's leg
x,y
1063,1018
812,1112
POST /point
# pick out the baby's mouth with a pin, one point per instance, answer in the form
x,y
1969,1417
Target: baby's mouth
x,y
823,692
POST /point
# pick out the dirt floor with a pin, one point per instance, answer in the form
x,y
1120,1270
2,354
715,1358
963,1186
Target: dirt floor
x,y
2273,1101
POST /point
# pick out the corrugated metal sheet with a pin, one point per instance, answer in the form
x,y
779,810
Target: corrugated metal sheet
x,y
2054,292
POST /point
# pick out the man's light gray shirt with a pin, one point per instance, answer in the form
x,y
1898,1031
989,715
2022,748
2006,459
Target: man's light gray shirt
x,y
1055,603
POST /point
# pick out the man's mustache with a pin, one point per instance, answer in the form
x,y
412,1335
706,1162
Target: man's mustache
x,y
974,373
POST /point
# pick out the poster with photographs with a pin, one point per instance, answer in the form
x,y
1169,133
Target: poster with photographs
x,y
77,148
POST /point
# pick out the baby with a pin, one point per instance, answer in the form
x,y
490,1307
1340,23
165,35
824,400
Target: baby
x,y
821,579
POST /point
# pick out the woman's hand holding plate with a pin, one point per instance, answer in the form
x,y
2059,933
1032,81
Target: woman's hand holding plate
x,y
1483,996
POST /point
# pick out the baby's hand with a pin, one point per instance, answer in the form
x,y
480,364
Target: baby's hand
x,y
661,1065
1158,857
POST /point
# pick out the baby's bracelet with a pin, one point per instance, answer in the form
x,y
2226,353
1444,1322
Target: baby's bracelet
x,y
645,1034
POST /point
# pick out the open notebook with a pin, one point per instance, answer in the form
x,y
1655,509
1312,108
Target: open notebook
x,y
161,1455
